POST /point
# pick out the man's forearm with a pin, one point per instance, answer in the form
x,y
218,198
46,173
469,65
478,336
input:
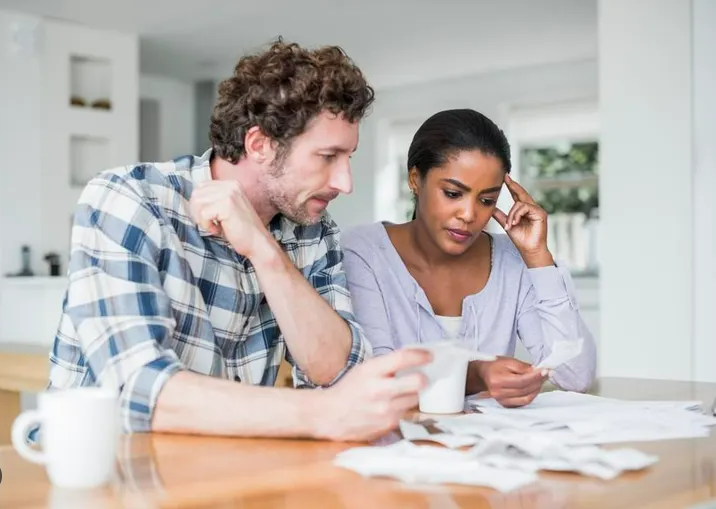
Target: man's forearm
x,y
319,339
196,404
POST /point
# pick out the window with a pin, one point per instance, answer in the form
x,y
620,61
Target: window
x,y
556,158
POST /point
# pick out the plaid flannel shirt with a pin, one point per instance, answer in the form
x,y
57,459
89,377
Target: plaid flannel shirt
x,y
151,293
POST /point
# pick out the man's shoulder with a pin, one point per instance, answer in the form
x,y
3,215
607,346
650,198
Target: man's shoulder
x,y
149,178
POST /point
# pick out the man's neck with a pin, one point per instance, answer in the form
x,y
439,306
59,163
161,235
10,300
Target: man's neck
x,y
247,175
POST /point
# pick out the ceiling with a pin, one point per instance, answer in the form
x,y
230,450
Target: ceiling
x,y
395,42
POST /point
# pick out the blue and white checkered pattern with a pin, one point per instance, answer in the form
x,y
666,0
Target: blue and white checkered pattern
x,y
151,293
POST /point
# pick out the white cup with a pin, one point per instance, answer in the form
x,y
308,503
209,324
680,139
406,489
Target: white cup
x,y
447,376
79,434
445,393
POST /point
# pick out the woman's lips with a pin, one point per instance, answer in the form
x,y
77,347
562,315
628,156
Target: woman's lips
x,y
459,235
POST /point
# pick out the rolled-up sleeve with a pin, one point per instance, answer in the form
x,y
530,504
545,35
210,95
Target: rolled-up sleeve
x,y
548,313
116,306
328,278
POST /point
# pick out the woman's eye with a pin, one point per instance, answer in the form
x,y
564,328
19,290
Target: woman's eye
x,y
329,157
451,194
488,202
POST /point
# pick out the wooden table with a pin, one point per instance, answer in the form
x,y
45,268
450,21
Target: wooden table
x,y
182,471
23,368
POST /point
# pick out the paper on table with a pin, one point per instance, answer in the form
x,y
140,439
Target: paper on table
x,y
586,419
562,351
533,453
427,464
565,406
413,431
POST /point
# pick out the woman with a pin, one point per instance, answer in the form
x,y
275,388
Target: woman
x,y
440,276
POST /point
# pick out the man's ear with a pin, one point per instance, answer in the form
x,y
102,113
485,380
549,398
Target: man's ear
x,y
258,146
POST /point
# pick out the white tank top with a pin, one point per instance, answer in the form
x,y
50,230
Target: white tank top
x,y
451,324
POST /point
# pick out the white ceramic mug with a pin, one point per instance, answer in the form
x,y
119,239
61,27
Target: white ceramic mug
x,y
79,434
447,376
446,392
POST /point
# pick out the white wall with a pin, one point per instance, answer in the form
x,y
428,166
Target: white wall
x,y
20,135
204,96
176,113
646,188
116,129
37,126
492,94
704,101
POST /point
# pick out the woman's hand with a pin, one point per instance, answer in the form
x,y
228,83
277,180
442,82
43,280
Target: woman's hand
x,y
526,225
511,382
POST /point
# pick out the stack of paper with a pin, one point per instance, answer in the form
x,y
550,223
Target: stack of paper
x,y
427,464
507,446
514,450
576,419
504,448
532,451
417,432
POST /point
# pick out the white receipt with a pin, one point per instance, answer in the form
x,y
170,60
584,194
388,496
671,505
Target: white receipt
x,y
533,453
416,432
578,419
562,351
446,355
428,464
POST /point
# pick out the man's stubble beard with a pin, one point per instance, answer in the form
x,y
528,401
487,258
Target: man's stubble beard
x,y
277,186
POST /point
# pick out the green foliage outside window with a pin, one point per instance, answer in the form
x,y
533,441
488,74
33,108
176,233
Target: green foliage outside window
x,y
563,178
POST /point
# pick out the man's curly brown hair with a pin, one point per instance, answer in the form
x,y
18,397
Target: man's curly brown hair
x,y
281,90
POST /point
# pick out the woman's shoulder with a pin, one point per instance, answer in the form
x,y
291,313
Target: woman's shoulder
x,y
505,251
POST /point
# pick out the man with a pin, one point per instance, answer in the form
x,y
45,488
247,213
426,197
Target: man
x,y
191,280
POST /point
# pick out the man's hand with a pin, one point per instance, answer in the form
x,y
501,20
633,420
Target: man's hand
x,y
511,382
222,208
370,400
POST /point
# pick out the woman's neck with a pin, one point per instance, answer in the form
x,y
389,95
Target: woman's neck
x,y
427,251
430,256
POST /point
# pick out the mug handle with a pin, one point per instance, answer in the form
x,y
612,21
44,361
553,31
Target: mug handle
x,y
19,431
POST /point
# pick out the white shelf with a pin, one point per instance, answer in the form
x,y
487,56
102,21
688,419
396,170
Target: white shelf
x,y
90,78
76,142
90,122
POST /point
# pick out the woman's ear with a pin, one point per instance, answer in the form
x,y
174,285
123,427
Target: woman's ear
x,y
414,181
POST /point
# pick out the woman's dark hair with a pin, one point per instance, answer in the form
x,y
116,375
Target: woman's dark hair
x,y
447,133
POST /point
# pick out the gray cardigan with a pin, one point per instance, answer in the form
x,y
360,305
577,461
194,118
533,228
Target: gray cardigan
x,y
538,306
